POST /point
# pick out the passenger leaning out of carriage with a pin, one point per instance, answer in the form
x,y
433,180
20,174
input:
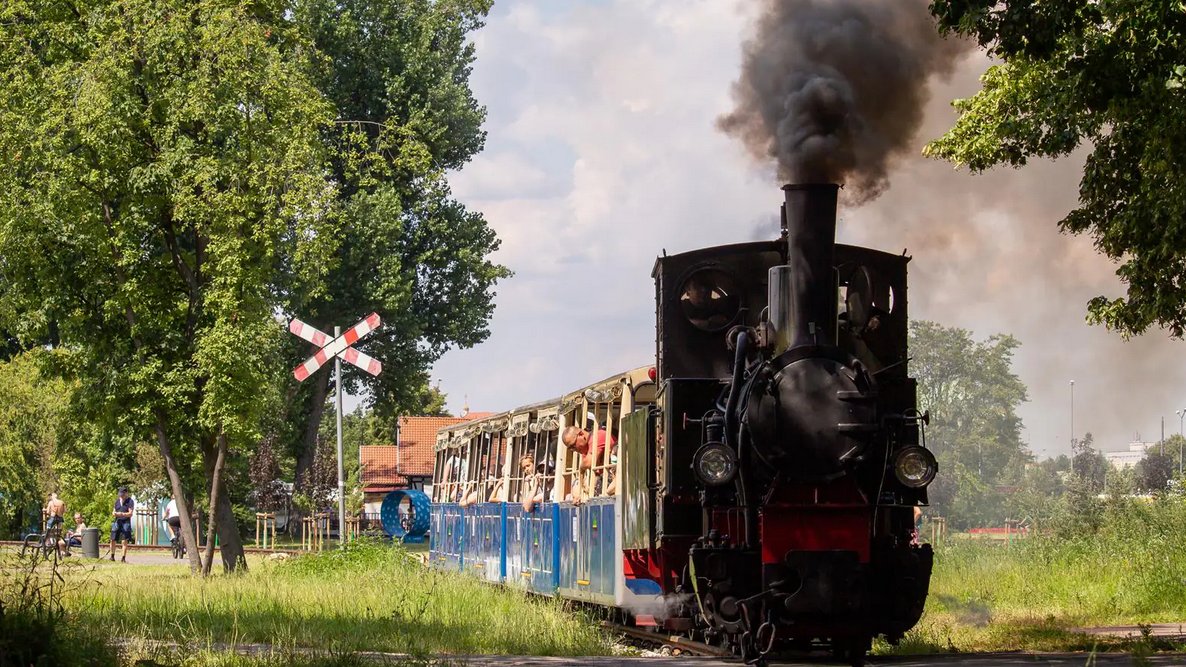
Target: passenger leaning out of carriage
x,y
579,440
534,487
495,484
472,495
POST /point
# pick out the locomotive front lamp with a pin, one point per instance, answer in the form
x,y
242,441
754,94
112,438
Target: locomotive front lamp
x,y
915,467
715,464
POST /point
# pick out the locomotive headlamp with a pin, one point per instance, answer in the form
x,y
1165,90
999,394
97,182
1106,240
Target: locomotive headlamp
x,y
715,464
915,467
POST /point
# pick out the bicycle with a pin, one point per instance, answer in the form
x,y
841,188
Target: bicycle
x,y
178,546
46,542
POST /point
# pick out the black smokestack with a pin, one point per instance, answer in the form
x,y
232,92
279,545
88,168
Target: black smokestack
x,y
810,218
833,89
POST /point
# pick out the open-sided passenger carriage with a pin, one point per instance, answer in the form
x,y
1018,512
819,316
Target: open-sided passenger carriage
x,y
570,542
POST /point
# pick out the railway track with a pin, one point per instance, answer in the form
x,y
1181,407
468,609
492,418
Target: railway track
x,y
668,643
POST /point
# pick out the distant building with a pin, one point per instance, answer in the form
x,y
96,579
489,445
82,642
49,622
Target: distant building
x,y
407,464
1127,459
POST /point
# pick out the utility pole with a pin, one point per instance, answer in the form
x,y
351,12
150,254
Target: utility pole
x,y
1072,417
341,467
1181,413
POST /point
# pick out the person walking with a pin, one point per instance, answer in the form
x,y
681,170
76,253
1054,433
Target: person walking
x,y
121,525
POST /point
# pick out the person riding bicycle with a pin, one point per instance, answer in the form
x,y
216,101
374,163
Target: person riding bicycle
x,y
173,519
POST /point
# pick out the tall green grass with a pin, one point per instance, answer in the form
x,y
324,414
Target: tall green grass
x,y
35,628
364,597
1037,592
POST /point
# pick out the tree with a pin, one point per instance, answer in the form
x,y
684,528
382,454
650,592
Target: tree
x,y
397,75
972,394
160,161
1109,74
1089,464
1155,470
1042,486
32,417
264,468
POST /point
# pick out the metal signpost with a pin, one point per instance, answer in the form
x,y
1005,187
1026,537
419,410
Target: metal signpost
x,y
337,347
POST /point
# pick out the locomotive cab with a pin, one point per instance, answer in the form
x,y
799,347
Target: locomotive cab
x,y
790,453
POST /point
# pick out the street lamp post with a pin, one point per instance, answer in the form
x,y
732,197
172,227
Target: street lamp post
x,y
1072,417
1181,414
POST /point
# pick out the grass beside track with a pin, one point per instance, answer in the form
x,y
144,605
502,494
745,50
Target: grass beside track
x,y
367,597
1033,594
1029,595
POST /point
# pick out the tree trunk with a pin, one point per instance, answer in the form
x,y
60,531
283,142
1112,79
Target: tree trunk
x,y
308,448
229,540
187,526
222,519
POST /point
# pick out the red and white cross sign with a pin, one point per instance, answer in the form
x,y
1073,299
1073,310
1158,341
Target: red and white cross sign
x,y
332,347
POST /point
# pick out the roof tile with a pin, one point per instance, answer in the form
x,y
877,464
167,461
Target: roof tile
x,y
385,465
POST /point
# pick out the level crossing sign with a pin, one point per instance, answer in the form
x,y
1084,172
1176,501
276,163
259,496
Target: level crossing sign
x,y
332,346
337,347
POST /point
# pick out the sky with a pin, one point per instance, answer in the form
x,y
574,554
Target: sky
x,y
602,151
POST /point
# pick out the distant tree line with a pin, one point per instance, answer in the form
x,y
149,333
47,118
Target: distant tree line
x,y
987,474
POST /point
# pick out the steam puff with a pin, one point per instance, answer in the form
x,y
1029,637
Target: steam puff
x,y
832,90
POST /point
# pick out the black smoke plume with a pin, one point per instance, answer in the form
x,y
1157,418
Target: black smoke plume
x,y
832,90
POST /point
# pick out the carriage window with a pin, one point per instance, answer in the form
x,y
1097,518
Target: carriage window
x,y
494,461
524,446
710,299
545,465
603,448
438,480
590,468
480,488
572,461
452,472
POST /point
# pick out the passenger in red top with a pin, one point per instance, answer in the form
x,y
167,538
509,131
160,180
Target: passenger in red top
x,y
577,439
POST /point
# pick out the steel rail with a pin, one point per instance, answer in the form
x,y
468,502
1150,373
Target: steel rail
x,y
672,641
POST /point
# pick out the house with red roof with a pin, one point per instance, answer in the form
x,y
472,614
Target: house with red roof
x,y
408,464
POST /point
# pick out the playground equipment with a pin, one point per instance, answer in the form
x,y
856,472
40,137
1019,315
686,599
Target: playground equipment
x,y
405,515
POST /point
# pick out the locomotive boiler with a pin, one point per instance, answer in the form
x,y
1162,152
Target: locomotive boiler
x,y
754,488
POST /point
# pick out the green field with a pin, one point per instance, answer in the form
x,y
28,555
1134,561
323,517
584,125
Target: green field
x,y
1030,594
1034,593
367,597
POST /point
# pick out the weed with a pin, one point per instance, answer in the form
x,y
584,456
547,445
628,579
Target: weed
x,y
34,626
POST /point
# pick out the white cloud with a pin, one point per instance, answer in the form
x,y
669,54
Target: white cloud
x,y
602,152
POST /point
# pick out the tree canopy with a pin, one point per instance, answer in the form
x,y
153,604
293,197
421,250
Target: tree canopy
x,y
397,76
178,175
1109,74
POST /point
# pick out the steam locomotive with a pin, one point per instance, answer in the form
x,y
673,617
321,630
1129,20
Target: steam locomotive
x,y
755,488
